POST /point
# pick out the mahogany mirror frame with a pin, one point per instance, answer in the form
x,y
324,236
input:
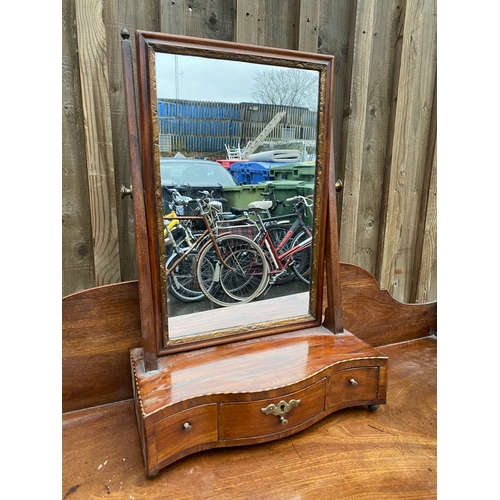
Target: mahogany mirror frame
x,y
146,185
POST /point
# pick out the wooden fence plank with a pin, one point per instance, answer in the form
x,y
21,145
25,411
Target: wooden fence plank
x,y
425,252
334,28
308,25
77,252
173,16
411,136
372,145
214,19
118,14
355,129
246,29
427,277
398,49
279,28
99,146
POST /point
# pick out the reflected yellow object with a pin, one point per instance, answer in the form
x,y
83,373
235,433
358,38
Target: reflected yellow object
x,y
172,223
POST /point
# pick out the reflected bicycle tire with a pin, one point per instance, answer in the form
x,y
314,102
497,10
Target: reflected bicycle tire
x,y
242,275
182,282
301,265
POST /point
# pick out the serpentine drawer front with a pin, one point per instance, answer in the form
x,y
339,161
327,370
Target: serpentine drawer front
x,y
250,392
271,416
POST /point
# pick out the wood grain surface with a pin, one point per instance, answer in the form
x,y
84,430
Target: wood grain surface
x,y
352,454
406,190
98,140
100,326
374,316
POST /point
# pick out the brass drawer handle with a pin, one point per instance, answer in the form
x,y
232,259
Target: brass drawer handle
x,y
187,427
280,409
353,382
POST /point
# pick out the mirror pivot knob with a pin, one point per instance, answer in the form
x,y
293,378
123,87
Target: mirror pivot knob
x,y
124,191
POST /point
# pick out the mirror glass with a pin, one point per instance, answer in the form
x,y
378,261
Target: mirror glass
x,y
238,167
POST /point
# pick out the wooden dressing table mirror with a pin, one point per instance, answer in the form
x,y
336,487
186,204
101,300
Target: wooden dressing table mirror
x,y
250,372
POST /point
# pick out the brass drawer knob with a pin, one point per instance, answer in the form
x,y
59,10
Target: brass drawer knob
x,y
187,427
353,382
280,409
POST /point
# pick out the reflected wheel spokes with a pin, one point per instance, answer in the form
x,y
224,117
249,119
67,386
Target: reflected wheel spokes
x,y
240,276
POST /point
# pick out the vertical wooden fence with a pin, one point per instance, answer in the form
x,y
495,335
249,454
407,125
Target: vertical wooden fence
x,y
384,125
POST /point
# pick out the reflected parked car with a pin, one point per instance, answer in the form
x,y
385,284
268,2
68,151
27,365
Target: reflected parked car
x,y
189,176
194,172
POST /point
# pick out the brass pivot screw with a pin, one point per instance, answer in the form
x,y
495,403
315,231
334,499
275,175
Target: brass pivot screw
x,y
124,191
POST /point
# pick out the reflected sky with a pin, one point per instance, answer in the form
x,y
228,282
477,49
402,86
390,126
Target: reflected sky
x,y
223,81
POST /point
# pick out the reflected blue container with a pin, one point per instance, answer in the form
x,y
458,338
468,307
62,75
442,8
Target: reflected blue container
x,y
249,172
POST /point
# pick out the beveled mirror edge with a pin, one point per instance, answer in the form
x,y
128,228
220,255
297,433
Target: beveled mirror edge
x,y
147,44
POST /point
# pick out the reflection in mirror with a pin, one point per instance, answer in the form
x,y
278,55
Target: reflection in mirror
x,y
237,144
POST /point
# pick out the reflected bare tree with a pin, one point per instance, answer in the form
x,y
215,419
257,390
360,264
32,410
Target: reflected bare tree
x,y
286,87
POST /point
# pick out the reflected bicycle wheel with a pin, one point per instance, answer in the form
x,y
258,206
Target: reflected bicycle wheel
x,y
241,275
182,283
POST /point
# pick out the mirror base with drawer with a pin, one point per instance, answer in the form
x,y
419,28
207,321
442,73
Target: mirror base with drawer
x,y
250,392
246,370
